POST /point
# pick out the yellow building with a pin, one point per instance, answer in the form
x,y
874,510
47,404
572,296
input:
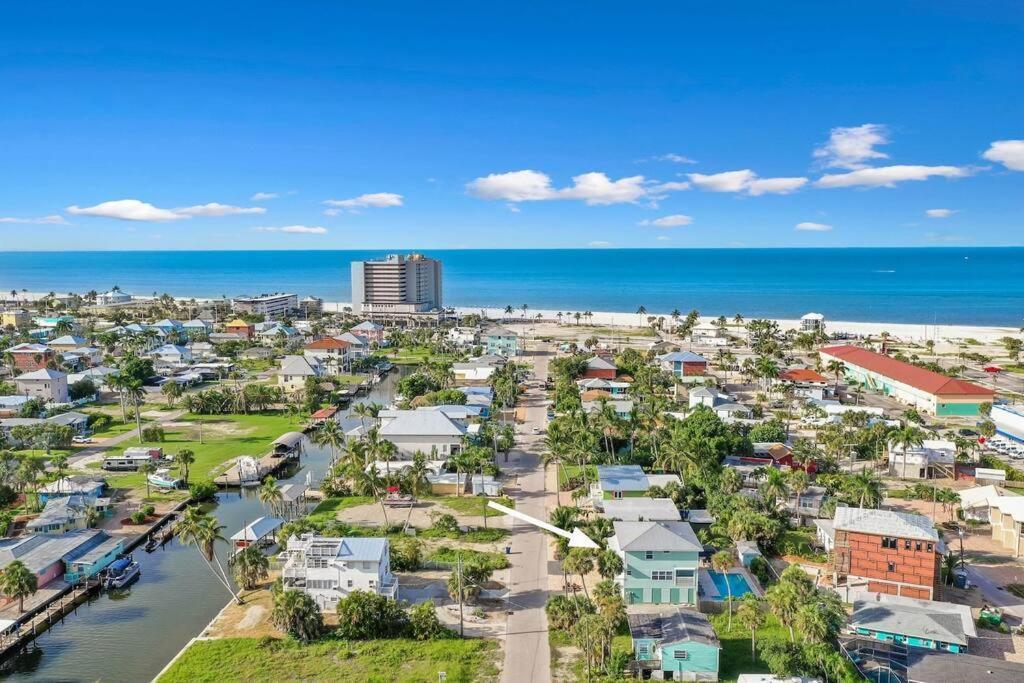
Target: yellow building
x,y
15,318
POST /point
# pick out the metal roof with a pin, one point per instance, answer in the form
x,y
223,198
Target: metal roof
x,y
941,621
258,529
421,423
641,509
885,523
930,666
674,626
658,536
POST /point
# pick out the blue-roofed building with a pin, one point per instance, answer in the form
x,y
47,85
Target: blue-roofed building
x,y
84,552
90,485
330,568
67,513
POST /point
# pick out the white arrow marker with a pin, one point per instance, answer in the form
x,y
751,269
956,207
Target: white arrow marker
x,y
577,539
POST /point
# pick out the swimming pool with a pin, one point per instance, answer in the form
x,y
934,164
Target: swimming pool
x,y
724,583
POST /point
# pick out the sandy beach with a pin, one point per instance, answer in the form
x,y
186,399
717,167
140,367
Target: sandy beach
x,y
904,331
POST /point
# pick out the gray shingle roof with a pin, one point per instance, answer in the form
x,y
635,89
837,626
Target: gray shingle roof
x,y
928,666
421,423
641,509
657,536
885,523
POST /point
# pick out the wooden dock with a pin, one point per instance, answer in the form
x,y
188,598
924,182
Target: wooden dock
x,y
45,615
286,448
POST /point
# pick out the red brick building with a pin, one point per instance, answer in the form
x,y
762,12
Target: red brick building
x,y
600,368
240,327
886,552
31,357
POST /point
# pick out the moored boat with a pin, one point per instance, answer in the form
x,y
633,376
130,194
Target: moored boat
x,y
162,478
122,572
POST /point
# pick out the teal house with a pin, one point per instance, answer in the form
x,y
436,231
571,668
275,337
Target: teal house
x,y
659,560
915,623
93,556
501,342
679,644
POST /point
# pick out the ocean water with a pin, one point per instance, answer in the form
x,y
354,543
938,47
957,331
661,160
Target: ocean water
x,y
950,285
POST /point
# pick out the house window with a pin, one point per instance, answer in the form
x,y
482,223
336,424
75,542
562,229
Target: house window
x,y
661,575
917,546
889,542
906,545
929,547
648,554
616,494
684,573
682,654
892,566
641,652
350,583
629,571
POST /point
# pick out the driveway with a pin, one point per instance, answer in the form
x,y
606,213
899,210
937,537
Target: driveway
x,y
527,654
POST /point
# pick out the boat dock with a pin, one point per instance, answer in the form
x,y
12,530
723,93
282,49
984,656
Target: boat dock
x,y
17,634
286,448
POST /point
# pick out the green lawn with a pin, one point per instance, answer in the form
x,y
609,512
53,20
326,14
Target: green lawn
x,y
350,379
406,661
224,437
735,658
414,355
473,505
328,509
567,472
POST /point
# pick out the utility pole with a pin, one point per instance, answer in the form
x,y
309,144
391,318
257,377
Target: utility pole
x,y
462,627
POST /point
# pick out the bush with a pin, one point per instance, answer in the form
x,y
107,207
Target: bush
x,y
298,615
202,490
153,433
406,554
446,524
759,568
490,561
148,510
424,624
366,616
7,495
563,610
99,421
137,517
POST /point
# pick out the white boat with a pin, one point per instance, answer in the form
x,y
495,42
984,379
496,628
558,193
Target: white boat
x,y
122,572
162,478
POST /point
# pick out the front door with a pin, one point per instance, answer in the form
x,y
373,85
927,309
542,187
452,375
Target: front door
x,y
656,596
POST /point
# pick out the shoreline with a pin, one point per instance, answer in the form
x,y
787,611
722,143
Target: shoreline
x,y
905,331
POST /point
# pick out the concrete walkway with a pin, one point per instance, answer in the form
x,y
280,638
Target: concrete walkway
x,y
527,654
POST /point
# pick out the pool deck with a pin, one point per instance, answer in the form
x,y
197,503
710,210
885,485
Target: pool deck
x,y
709,591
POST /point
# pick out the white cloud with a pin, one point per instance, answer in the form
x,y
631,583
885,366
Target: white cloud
x,y
775,186
376,200
127,210
888,176
745,181
594,188
598,189
295,229
55,219
599,243
808,226
663,238
939,213
675,158
264,196
1009,153
514,208
215,209
852,147
673,221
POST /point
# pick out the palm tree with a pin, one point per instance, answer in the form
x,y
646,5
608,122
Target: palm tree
x,y
579,561
752,617
508,311
799,481
866,489
906,438
331,434
415,475
249,566
298,615
722,562
183,459
59,462
171,391
785,601
201,529
609,564
641,311
18,581
270,495
774,487
145,469
837,368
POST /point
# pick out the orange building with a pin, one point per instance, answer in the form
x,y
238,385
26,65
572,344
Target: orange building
x,y
239,326
887,552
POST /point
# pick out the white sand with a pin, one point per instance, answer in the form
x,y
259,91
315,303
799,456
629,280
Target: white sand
x,y
906,331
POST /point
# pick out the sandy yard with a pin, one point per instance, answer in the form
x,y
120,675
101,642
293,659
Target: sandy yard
x,y
421,515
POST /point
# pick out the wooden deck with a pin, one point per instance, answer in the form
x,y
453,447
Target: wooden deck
x,y
45,615
267,465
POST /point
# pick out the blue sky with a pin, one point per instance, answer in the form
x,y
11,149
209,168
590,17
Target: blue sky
x,y
448,125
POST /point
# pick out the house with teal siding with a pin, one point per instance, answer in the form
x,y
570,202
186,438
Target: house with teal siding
x,y
659,560
679,645
501,342
915,623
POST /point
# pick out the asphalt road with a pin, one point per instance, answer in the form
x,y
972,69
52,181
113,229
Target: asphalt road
x,y
527,654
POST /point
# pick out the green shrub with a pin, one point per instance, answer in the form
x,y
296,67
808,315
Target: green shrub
x,y
202,490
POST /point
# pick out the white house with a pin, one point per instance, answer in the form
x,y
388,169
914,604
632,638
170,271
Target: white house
x,y
914,462
358,346
706,334
425,431
47,384
113,298
294,371
328,569
172,353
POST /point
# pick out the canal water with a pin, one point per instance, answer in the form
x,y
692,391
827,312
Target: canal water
x,y
132,635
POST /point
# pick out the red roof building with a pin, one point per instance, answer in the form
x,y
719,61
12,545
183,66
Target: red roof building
x,y
930,391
